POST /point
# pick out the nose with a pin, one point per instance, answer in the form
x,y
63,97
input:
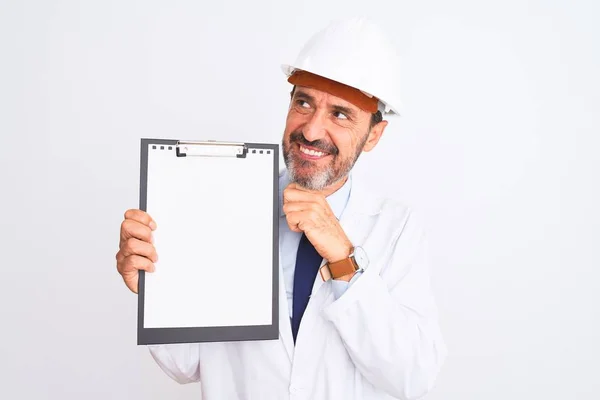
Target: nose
x,y
314,128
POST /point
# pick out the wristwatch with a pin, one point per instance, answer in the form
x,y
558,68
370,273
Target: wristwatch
x,y
357,261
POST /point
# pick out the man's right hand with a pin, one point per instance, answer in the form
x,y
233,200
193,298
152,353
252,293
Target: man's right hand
x,y
136,251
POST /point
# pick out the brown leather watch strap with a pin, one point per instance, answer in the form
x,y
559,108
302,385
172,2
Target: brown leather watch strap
x,y
338,269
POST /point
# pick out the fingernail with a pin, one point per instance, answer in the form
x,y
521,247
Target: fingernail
x,y
152,225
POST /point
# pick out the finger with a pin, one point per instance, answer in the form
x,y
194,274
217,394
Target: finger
x,y
294,227
129,270
300,221
294,194
135,263
133,246
132,284
294,185
141,216
300,206
292,218
133,229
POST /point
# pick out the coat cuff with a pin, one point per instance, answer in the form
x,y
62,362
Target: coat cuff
x,y
339,287
355,289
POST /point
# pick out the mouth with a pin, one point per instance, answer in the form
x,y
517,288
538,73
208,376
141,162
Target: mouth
x,y
309,153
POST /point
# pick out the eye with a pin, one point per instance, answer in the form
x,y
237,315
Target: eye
x,y
340,115
303,104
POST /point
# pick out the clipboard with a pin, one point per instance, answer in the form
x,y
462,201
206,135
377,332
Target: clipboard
x,y
217,239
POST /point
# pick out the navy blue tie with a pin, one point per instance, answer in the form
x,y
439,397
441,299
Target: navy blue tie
x,y
308,262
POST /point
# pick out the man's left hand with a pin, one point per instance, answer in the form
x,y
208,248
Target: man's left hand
x,y
307,211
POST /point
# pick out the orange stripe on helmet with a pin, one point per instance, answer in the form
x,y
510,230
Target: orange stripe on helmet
x,y
348,93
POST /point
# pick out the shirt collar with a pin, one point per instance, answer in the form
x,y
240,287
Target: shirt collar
x,y
337,200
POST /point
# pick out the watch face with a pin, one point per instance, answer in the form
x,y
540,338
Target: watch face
x,y
360,256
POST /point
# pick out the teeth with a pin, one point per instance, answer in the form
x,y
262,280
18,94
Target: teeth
x,y
311,152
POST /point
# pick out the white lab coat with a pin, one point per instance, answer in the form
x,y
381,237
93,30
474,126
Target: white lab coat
x,y
379,340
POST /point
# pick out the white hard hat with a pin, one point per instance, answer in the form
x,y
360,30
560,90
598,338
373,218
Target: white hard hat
x,y
357,53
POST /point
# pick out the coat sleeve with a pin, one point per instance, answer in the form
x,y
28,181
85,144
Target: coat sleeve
x,y
180,361
387,319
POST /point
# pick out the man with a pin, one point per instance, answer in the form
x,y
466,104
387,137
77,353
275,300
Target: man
x,y
354,275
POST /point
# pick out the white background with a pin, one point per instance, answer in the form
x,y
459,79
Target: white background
x,y
497,151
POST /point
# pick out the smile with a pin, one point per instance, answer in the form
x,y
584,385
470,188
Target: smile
x,y
311,153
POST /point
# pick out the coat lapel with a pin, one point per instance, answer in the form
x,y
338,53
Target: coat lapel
x,y
285,327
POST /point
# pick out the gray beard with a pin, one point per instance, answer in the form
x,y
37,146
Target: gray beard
x,y
318,181
324,178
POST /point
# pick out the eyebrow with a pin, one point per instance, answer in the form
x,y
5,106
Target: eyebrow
x,y
305,96
344,110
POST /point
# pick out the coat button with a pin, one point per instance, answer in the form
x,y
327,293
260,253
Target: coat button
x,y
295,389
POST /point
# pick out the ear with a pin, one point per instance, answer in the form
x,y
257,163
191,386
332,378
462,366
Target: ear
x,y
375,135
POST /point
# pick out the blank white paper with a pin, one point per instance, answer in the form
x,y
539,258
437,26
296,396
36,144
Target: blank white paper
x,y
214,240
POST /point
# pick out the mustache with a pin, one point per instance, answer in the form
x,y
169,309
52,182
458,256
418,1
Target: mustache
x,y
325,147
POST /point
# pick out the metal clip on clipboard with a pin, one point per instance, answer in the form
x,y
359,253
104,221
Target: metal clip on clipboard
x,y
211,148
